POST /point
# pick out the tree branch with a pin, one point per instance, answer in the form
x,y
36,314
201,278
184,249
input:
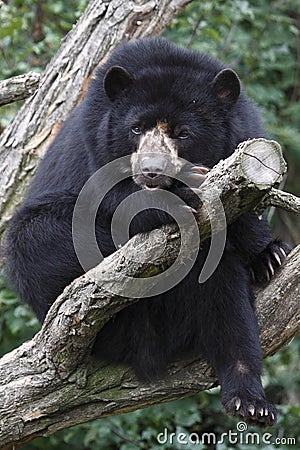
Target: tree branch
x,y
18,88
50,382
281,199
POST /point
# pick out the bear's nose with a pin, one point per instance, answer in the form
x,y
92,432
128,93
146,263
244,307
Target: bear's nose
x,y
153,166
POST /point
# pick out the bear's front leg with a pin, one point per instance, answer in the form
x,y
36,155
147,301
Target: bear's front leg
x,y
232,345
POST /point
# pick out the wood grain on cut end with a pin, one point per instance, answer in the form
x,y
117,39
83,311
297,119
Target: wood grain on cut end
x,y
262,161
51,378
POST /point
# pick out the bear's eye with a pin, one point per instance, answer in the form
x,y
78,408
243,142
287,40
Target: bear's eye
x,y
136,129
183,135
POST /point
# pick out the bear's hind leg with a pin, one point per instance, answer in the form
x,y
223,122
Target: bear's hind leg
x,y
231,340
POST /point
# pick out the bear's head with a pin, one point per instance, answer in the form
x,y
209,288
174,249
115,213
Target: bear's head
x,y
167,116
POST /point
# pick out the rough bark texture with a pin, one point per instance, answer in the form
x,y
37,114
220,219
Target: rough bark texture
x,y
18,88
50,382
103,25
283,200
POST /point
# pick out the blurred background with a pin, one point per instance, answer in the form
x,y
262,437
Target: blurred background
x,y
260,39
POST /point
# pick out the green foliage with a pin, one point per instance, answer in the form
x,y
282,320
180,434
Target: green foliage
x,y
17,321
30,34
260,40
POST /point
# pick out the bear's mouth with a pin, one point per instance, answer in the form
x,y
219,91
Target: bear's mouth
x,y
151,188
153,184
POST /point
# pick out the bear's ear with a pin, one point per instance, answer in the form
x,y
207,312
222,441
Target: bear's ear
x,y
227,86
115,81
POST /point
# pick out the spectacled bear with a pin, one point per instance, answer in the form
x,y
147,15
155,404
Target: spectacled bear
x,y
162,103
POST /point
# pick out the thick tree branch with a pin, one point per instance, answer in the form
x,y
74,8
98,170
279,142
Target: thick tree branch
x,y
18,88
50,382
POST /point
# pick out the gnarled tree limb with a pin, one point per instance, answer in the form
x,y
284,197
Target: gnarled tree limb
x,y
50,382
18,88
281,199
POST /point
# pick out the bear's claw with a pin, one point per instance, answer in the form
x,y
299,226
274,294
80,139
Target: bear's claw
x,y
188,208
253,411
194,176
265,265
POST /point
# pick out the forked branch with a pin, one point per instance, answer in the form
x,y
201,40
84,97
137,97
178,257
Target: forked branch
x,y
50,382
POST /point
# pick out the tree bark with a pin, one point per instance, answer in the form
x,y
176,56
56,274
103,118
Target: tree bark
x,y
103,25
51,382
18,88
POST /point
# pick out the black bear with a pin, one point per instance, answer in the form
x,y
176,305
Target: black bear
x,y
160,104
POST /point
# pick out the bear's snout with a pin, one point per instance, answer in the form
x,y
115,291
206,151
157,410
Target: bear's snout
x,y
153,166
153,170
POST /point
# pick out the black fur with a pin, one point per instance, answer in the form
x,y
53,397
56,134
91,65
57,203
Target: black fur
x,y
216,319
